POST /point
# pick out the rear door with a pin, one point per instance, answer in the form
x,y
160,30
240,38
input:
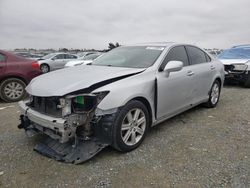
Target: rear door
x,y
69,57
175,90
3,59
59,61
204,72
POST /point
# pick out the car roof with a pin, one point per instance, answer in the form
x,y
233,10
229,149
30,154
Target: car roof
x,y
14,57
162,44
152,44
242,46
56,53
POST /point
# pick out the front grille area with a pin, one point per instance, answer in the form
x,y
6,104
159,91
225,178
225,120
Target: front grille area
x,y
229,68
47,106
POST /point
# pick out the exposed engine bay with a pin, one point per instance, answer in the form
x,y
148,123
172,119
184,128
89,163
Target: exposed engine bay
x,y
72,124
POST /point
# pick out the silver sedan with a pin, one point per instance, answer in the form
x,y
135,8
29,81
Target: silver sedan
x,y
55,61
115,100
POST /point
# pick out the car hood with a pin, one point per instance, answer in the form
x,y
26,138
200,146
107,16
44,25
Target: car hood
x,y
234,61
65,81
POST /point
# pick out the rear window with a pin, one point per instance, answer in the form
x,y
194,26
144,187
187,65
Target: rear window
x,y
196,55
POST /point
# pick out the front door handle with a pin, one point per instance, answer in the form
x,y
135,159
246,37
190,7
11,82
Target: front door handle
x,y
212,67
190,73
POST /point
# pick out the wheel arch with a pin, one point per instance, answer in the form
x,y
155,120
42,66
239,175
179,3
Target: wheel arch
x,y
219,80
148,106
14,76
45,64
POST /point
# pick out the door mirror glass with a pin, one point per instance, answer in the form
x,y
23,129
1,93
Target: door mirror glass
x,y
173,66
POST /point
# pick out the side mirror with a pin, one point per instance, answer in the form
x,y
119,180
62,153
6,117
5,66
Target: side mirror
x,y
173,66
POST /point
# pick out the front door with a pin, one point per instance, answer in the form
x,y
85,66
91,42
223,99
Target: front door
x,y
176,89
59,61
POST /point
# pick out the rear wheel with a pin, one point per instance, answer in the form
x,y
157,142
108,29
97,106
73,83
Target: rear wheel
x,y
131,126
44,68
12,90
214,95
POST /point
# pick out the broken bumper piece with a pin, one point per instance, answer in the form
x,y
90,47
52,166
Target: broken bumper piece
x,y
83,151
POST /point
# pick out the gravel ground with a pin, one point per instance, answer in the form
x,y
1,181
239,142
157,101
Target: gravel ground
x,y
199,148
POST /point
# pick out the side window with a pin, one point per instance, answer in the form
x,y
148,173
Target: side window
x,y
59,56
196,55
2,58
176,54
68,56
208,58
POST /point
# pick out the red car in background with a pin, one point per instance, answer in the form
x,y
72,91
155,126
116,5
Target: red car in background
x,y
15,73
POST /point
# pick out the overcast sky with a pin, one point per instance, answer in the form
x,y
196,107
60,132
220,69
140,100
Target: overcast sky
x,y
95,23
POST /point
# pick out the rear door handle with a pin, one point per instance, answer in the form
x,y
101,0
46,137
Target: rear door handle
x,y
190,73
212,67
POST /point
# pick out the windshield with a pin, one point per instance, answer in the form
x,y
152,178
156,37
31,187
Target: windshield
x,y
90,57
235,53
48,56
130,57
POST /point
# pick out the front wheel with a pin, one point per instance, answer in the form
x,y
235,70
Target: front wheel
x,y
131,126
214,95
12,90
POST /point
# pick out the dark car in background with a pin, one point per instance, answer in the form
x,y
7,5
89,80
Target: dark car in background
x,y
15,73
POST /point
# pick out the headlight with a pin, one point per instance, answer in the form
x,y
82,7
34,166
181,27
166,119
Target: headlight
x,y
87,102
240,67
100,95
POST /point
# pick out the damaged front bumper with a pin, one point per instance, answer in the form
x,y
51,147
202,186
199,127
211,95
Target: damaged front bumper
x,y
62,142
236,72
33,121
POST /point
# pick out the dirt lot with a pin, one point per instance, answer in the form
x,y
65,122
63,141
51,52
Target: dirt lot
x,y
200,148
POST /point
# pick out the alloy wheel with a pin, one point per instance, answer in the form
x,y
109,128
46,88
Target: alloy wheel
x,y
133,127
13,90
215,93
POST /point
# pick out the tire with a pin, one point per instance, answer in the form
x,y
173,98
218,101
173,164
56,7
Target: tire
x,y
133,134
247,82
12,90
44,68
214,95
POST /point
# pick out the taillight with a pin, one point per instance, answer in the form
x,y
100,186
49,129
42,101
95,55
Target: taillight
x,y
35,65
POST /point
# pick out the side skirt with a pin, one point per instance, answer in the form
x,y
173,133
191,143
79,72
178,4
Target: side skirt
x,y
81,152
164,118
